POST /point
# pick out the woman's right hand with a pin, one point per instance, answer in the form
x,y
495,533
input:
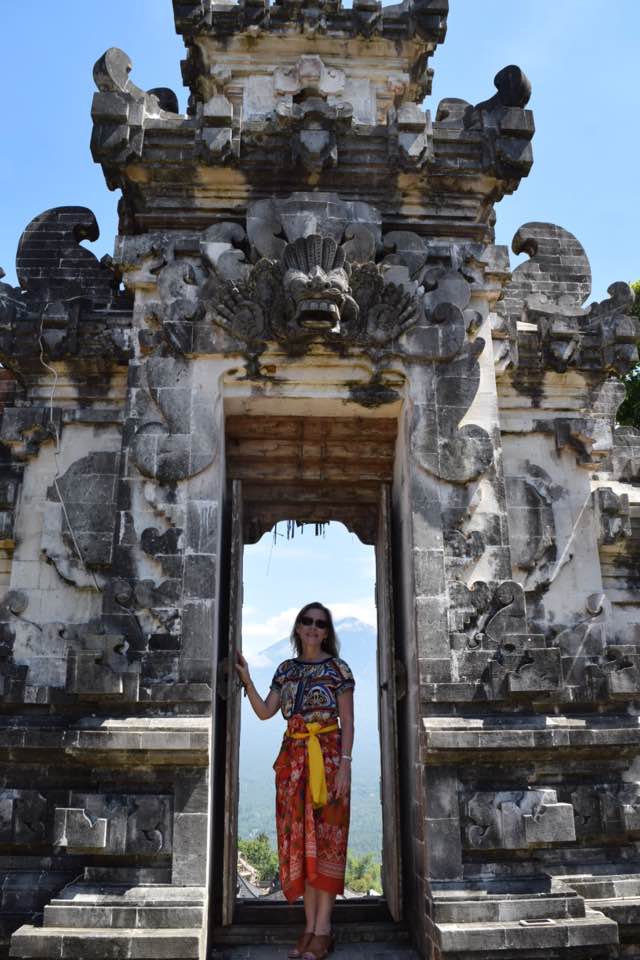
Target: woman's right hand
x,y
242,669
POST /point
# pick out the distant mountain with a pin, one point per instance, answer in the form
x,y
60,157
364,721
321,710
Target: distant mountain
x,y
260,741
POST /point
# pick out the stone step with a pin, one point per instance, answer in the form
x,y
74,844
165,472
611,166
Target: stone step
x,y
618,897
343,951
54,943
117,893
134,907
488,940
500,909
280,934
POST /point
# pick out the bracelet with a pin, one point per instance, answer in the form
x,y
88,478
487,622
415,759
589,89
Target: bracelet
x,y
247,685
345,756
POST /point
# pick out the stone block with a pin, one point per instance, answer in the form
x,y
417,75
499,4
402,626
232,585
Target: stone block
x,y
553,823
23,818
514,820
443,848
74,829
119,825
200,576
202,527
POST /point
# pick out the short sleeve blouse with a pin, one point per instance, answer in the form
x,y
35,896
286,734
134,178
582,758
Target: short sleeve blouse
x,y
312,689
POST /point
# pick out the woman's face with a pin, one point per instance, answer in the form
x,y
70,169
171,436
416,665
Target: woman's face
x,y
308,630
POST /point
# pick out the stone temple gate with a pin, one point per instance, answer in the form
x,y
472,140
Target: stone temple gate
x,y
306,317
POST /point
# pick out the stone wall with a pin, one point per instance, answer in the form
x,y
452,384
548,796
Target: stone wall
x,y
308,241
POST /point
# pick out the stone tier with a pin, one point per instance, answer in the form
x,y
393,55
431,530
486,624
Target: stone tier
x,y
68,942
124,906
446,738
365,18
518,918
290,119
159,740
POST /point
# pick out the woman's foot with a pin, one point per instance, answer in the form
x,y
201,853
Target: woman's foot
x,y
302,944
320,946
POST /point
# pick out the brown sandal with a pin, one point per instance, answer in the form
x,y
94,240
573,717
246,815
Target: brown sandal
x,y
321,945
302,943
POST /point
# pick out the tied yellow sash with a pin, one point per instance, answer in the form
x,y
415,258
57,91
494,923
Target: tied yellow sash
x,y
317,779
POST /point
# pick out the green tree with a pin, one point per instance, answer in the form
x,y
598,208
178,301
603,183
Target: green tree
x,y
629,411
261,855
363,873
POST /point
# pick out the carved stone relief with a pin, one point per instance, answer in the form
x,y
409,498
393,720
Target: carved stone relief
x,y
610,809
117,826
80,520
517,820
533,538
174,436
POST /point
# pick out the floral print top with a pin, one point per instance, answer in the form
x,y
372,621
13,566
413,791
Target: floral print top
x,y
311,689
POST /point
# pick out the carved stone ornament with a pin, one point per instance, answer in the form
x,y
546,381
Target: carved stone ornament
x,y
314,268
516,819
315,265
548,292
68,306
317,280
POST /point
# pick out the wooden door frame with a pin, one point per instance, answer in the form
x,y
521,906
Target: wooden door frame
x,y
227,916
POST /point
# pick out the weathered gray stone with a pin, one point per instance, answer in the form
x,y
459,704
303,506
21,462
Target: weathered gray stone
x,y
256,284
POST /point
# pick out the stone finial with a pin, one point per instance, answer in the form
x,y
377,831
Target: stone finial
x,y
120,109
507,125
51,263
513,86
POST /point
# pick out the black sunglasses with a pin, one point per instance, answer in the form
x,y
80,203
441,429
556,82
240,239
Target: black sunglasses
x,y
309,622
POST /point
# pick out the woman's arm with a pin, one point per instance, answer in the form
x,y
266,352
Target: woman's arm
x,y
264,709
345,712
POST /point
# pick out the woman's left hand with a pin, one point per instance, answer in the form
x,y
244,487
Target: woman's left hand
x,y
343,779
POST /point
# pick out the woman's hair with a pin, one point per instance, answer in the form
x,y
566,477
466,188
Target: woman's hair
x,y
330,643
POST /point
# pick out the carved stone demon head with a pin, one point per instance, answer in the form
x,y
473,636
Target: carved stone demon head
x,y
317,280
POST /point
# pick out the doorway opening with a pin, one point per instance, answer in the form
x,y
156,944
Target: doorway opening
x,y
336,568
314,471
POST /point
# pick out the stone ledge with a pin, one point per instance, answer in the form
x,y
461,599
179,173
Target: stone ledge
x,y
488,938
443,737
86,905
161,740
78,944
617,897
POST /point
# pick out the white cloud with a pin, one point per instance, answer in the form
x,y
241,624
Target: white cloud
x,y
364,610
259,633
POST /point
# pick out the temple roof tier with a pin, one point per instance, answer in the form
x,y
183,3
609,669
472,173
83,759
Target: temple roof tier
x,y
303,121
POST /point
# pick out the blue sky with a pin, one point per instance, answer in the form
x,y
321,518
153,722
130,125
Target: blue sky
x,y
281,576
581,57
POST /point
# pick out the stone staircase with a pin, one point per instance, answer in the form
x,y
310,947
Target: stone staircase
x,y
577,916
157,922
500,921
617,896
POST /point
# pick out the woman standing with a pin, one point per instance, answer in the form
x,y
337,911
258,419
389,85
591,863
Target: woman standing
x,y
314,690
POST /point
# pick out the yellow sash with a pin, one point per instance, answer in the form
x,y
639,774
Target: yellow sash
x,y
317,780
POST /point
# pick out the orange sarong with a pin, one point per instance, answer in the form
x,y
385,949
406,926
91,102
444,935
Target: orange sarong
x,y
312,843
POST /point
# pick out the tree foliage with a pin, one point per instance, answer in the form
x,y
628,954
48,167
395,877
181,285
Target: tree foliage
x,y
629,411
363,873
261,855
